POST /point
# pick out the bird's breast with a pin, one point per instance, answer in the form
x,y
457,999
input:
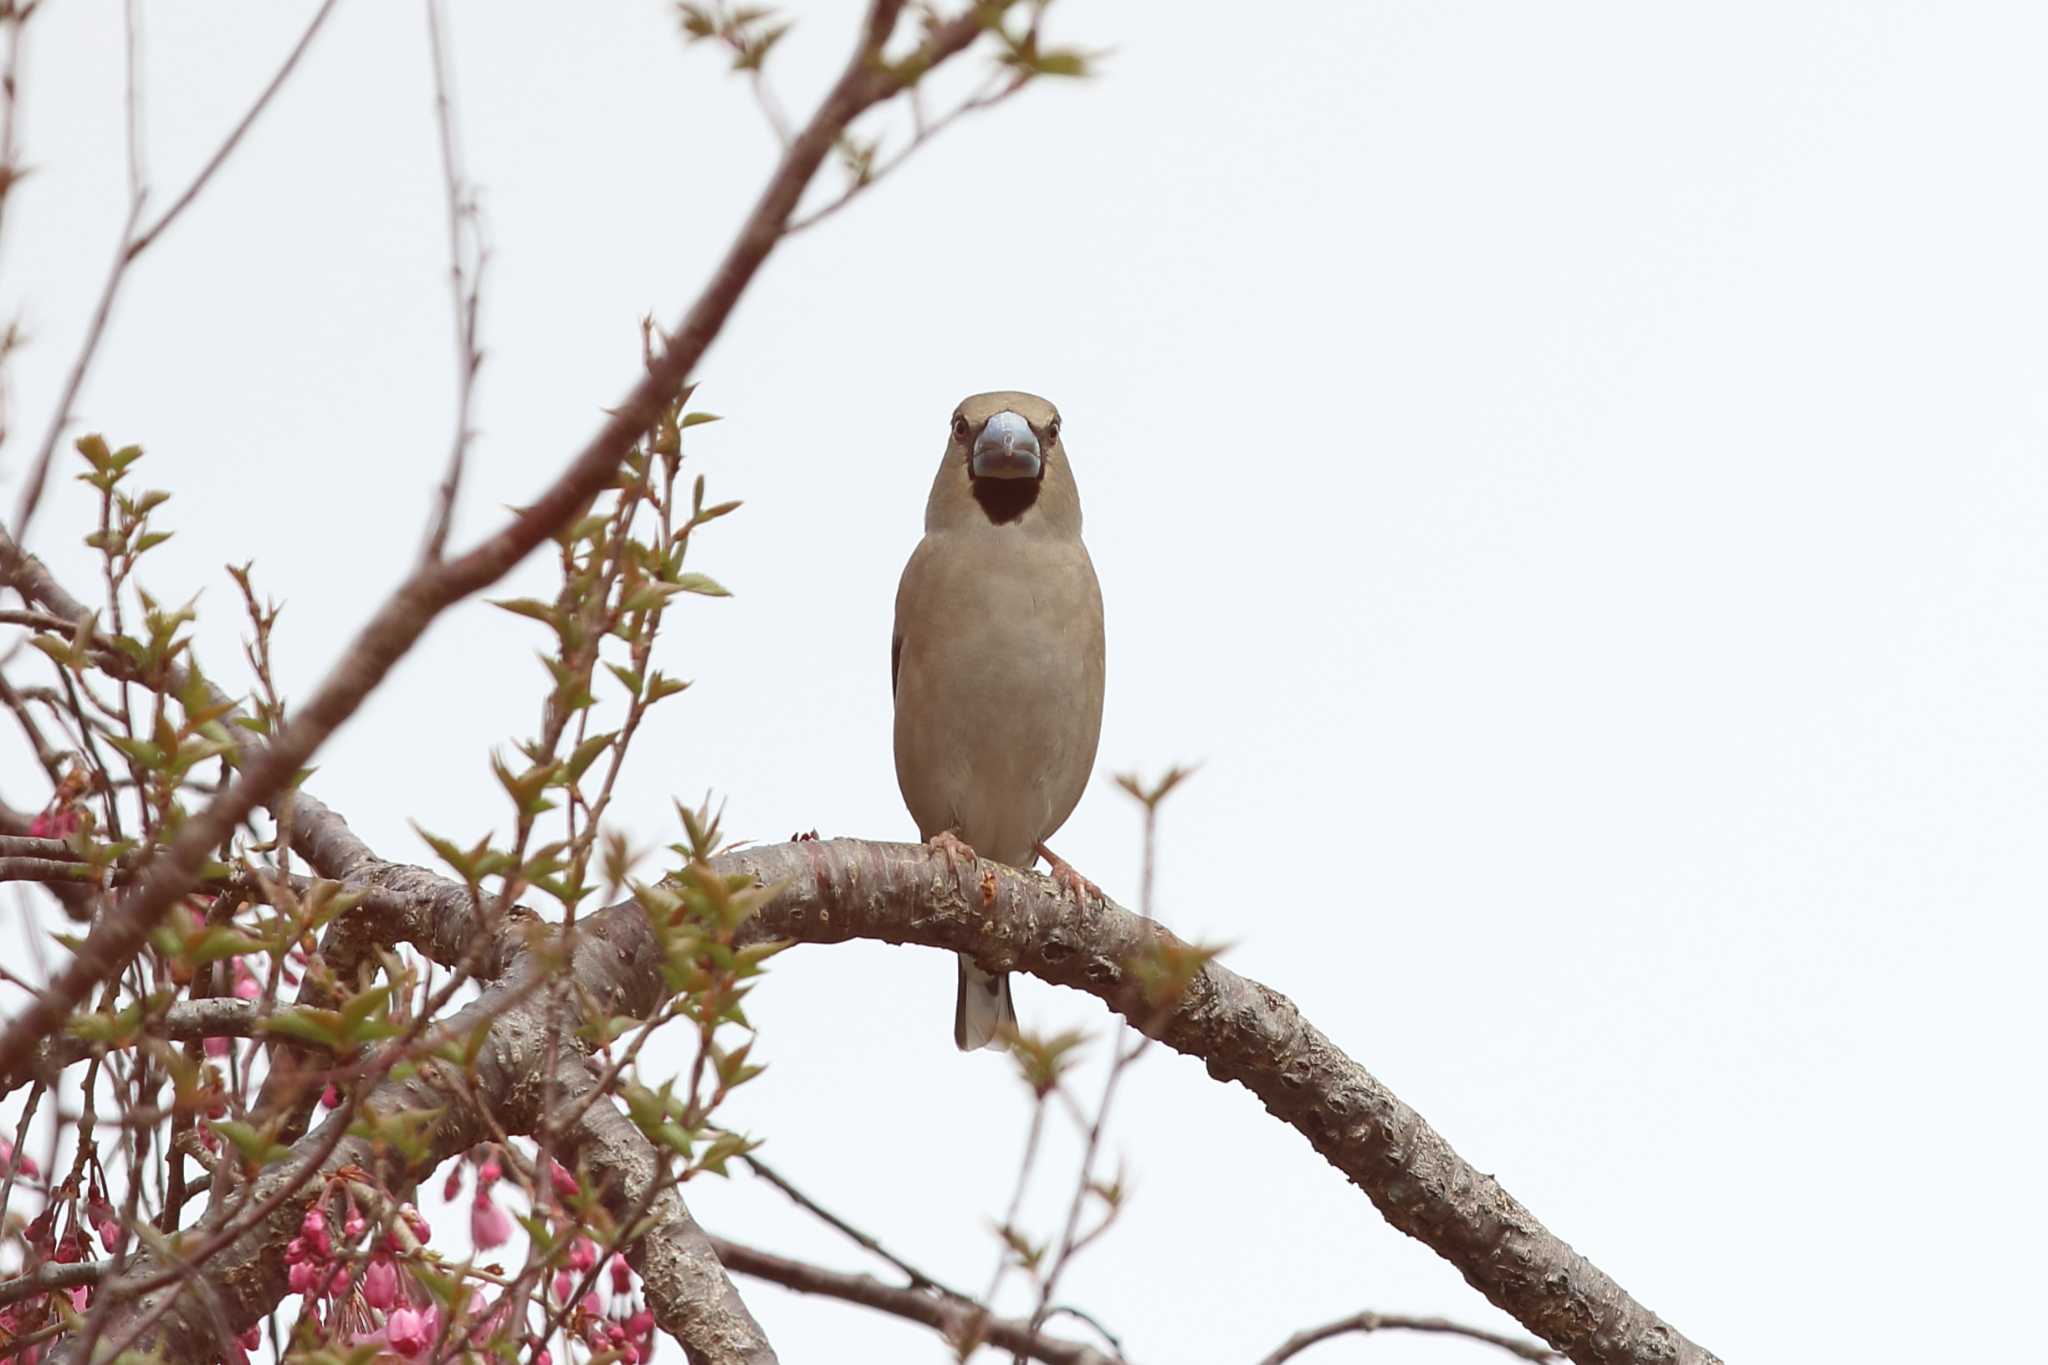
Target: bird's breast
x,y
999,688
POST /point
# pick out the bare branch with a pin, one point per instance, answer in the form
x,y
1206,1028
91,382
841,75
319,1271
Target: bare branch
x,y
838,890
842,889
1395,1322
957,1322
989,96
133,243
918,1278
464,283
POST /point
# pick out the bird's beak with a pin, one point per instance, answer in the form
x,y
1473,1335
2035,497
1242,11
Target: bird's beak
x,y
1006,449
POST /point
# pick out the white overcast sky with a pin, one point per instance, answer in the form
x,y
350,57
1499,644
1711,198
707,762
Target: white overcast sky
x,y
1572,474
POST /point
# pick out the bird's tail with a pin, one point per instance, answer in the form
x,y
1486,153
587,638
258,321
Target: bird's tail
x,y
982,1009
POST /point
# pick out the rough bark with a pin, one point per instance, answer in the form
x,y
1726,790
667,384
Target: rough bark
x,y
679,1267
843,889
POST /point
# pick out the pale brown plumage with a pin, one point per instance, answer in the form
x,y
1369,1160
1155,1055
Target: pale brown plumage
x,y
997,661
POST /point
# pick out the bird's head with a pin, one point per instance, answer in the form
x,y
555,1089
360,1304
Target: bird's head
x,y
1004,459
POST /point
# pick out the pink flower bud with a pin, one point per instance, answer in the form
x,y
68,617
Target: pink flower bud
x,y
565,1184
420,1230
380,1283
26,1165
313,1228
564,1285
330,1098
622,1275
218,1047
488,1173
252,1338
303,1276
453,1186
489,1225
582,1255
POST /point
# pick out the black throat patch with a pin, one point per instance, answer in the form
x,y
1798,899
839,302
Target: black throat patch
x,y
1005,500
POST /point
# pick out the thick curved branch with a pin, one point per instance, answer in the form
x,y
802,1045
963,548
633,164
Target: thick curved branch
x,y
1014,921
679,1267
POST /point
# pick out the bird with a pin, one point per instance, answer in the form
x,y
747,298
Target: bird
x,y
996,662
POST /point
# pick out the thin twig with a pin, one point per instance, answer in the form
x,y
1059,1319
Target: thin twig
x,y
958,1322
464,285
1397,1322
918,1278
133,244
990,95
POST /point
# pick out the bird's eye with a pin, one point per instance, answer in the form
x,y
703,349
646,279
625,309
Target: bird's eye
x,y
959,428
1052,433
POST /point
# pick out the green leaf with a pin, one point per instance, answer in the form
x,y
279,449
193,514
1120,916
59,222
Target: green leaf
x,y
219,942
702,584
321,1028
660,686
584,755
530,607
258,1146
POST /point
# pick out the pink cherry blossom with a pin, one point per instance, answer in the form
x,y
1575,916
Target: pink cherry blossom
x,y
409,1331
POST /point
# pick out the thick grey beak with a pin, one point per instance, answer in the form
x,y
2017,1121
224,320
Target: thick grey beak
x,y
1006,449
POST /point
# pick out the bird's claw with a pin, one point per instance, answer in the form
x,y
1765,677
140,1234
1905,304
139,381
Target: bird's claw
x,y
1069,881
953,846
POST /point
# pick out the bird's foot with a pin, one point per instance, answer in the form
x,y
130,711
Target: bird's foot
x,y
1069,881
953,846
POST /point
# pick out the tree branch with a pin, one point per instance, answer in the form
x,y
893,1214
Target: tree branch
x,y
134,241
842,889
679,1267
958,1322
837,890
1396,1322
